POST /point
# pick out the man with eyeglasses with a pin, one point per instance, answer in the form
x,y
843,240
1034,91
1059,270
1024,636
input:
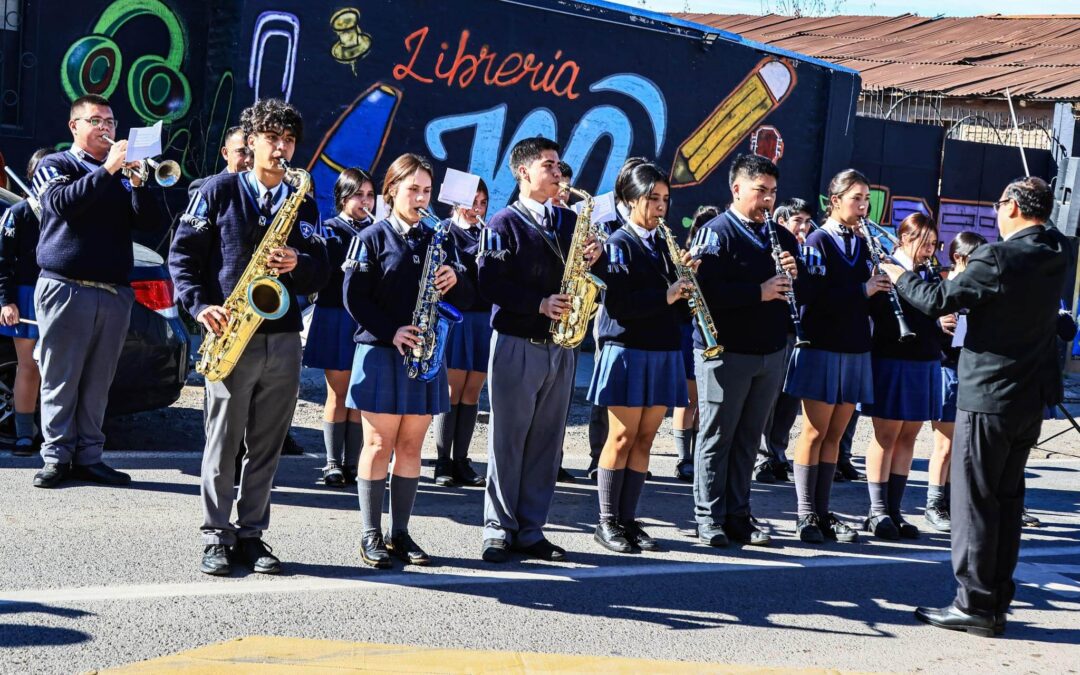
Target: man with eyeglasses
x,y
83,298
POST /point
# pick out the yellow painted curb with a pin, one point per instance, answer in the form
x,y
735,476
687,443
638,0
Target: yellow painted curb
x,y
262,654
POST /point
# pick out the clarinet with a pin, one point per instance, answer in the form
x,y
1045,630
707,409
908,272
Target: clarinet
x,y
876,254
793,307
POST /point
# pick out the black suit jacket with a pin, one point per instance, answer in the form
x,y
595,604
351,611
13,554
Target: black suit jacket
x,y
1011,289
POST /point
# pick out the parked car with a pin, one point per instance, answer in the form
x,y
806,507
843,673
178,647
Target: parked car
x,y
154,363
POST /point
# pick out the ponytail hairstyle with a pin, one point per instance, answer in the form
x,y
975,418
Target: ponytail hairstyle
x,y
965,244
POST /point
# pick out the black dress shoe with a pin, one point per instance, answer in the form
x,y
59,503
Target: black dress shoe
x,y
638,537
444,473
882,527
763,473
839,477
780,472
612,537
565,476
711,535
495,551
51,475
938,517
906,529
808,528
333,476
215,561
684,471
952,618
849,471
743,531
1000,621
1029,520
834,529
290,446
594,466
373,551
542,550
465,475
403,546
100,473
257,555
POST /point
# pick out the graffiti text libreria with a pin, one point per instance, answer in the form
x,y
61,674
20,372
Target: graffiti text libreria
x,y
463,68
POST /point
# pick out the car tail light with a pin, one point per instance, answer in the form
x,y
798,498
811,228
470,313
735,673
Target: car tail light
x,y
156,295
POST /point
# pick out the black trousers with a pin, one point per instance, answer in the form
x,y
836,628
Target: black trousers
x,y
988,458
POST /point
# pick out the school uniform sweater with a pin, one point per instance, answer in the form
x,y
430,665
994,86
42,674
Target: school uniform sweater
x,y
925,346
736,258
635,313
220,231
338,234
87,215
463,259
382,280
834,309
19,232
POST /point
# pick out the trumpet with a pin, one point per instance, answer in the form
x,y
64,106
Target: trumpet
x,y
166,171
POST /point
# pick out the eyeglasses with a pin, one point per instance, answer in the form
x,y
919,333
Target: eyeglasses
x,y
999,204
107,122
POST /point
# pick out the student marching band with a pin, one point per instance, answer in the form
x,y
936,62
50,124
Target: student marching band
x,y
798,316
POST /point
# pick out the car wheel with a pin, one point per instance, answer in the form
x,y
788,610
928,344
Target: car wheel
x,y
7,401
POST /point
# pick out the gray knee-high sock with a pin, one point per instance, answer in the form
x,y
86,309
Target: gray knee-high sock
x,y
879,498
402,497
826,473
935,495
609,485
684,444
333,434
805,486
633,484
897,484
354,440
444,425
466,425
371,499
24,425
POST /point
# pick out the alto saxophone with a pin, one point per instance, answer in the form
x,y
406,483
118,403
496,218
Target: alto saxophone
x,y
578,282
433,317
258,294
698,308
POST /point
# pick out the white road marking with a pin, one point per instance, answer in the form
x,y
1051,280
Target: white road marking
x,y
373,580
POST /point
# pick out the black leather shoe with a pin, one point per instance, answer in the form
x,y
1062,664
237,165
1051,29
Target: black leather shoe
x,y
350,474
495,551
611,536
1029,520
594,466
1000,622
808,528
290,446
333,476
638,537
100,473
743,531
403,546
215,561
849,471
906,529
51,475
938,517
952,618
684,471
565,476
257,555
373,551
465,475
763,473
780,472
444,473
834,529
881,527
711,535
543,550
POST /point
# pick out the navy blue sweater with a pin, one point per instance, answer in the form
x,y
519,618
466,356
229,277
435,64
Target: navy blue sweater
x,y
735,261
636,313
217,236
463,258
87,215
519,267
18,243
338,235
382,281
925,346
835,311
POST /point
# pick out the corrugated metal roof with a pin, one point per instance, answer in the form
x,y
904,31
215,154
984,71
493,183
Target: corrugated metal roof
x,y
1036,57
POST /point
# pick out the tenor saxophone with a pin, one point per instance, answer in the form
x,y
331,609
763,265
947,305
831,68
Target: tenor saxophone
x,y
433,317
698,308
578,282
258,294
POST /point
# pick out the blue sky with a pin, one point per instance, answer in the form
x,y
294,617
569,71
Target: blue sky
x,y
879,7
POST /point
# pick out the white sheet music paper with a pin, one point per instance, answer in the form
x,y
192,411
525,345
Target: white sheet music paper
x,y
459,188
603,210
144,142
382,211
961,331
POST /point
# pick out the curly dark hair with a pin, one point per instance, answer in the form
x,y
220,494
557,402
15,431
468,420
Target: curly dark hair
x,y
272,114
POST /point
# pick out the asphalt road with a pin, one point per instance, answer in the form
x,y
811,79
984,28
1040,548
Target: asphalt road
x,y
97,577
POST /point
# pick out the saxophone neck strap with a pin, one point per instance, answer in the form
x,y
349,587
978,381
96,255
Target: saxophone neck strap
x,y
551,239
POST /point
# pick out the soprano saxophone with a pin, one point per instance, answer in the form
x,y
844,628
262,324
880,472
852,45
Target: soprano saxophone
x,y
578,282
433,317
698,308
258,294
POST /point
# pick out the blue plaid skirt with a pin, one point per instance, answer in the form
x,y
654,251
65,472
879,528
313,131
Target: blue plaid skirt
x,y
25,303
637,378
379,384
330,343
905,390
469,344
830,377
